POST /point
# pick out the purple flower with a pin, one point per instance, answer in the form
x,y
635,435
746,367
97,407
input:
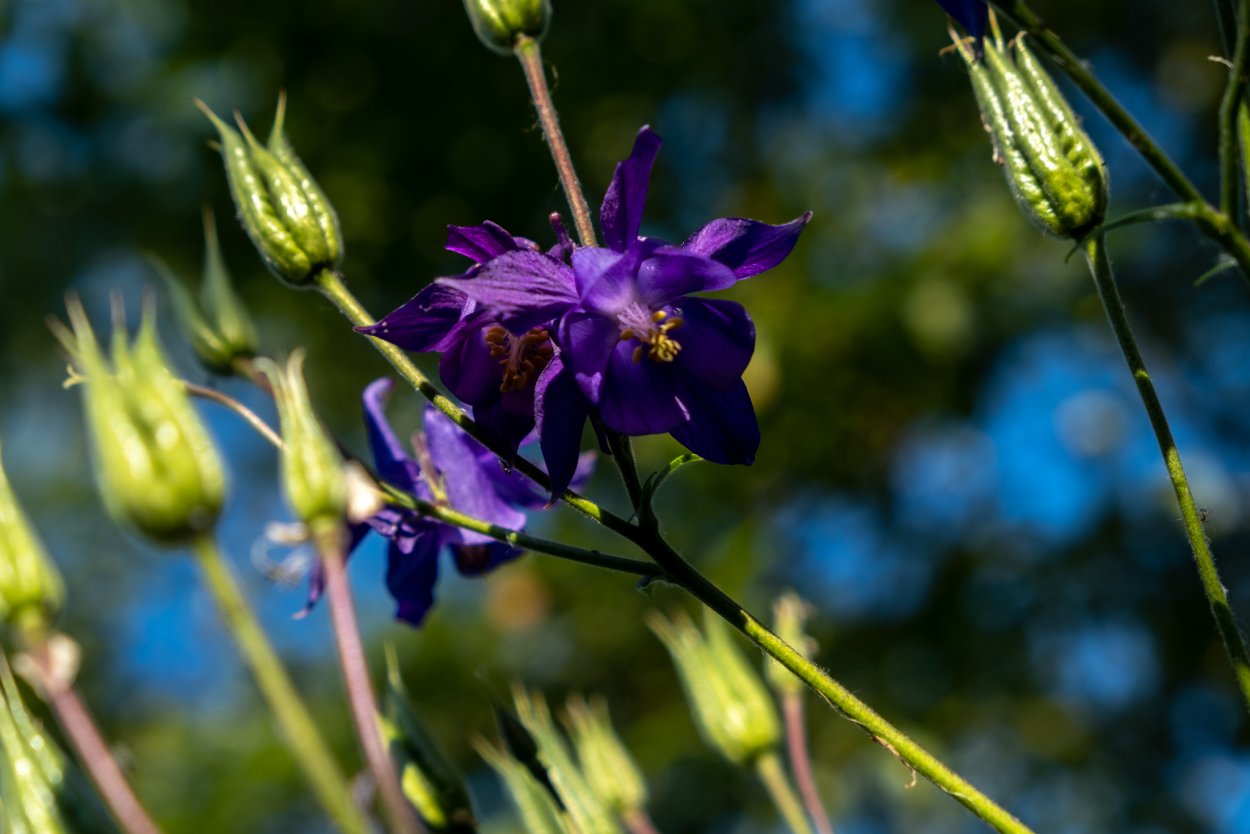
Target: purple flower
x,y
632,340
973,15
451,468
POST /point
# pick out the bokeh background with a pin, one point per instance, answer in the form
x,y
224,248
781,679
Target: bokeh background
x,y
955,469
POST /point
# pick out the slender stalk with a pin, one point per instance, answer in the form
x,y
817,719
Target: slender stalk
x,y
801,760
1231,166
637,822
531,58
1226,20
81,730
364,706
1217,597
773,775
251,417
311,752
623,457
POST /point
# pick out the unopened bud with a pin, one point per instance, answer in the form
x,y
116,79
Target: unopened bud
x,y
216,324
312,468
609,769
730,704
501,23
535,805
1055,173
789,622
31,590
430,781
155,464
281,207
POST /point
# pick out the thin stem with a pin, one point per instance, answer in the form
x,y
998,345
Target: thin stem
x,y
773,775
801,760
1230,165
252,418
638,822
623,457
531,58
81,730
1217,597
311,752
355,670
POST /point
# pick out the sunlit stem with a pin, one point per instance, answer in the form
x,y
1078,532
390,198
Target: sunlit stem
x,y
56,687
801,760
1225,620
329,540
249,416
773,775
306,743
531,58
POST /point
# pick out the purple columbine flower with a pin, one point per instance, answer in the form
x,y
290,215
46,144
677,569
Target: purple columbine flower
x,y
448,467
631,338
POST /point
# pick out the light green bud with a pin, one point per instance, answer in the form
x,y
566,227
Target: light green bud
x,y
281,207
217,324
501,23
312,468
433,785
538,810
1053,169
729,702
31,590
155,464
609,769
790,614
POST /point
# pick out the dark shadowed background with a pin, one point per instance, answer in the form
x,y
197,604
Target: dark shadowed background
x,y
955,469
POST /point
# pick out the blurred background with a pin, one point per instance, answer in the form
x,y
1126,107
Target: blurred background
x,y
955,471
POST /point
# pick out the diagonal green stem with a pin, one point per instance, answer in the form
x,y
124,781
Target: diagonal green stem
x,y
1231,166
305,741
1225,621
768,767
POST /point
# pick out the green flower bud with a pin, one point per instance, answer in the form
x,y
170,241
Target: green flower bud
x,y
218,325
312,468
500,23
1053,169
587,814
539,813
431,782
31,590
609,769
789,621
730,704
155,463
281,207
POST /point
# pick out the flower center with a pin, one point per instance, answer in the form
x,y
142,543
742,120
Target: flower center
x,y
522,357
651,329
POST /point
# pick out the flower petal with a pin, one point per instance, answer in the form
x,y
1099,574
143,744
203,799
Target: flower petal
x,y
560,412
477,559
640,397
587,340
717,339
671,272
620,216
722,427
410,577
467,368
468,488
480,243
521,289
503,427
429,321
389,458
748,247
973,15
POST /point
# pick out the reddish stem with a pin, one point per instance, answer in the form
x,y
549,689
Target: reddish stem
x,y
800,761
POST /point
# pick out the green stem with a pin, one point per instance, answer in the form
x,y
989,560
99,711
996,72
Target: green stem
x,y
1230,164
773,775
1225,621
311,752
251,417
530,55
623,457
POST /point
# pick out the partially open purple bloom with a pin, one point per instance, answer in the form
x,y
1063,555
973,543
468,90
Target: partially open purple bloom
x,y
973,15
448,467
632,339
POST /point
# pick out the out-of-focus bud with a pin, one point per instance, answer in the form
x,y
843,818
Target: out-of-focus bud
x,y
1055,173
217,324
609,769
31,590
312,468
281,207
587,814
431,782
730,704
155,463
790,614
500,23
538,810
